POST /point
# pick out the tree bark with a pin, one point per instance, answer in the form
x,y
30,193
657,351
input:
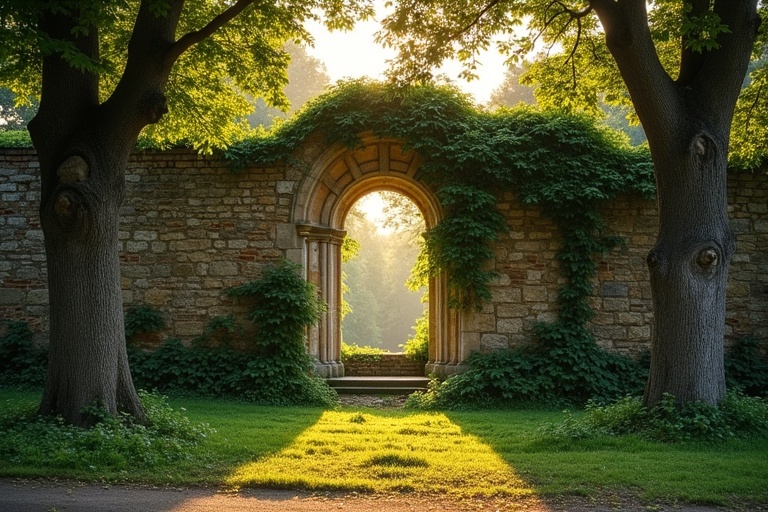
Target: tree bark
x,y
687,122
88,362
689,273
83,147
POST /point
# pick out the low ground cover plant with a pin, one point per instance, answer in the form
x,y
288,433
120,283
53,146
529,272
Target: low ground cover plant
x,y
464,454
738,416
47,446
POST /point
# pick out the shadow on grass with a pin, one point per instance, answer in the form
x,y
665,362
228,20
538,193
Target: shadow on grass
x,y
719,474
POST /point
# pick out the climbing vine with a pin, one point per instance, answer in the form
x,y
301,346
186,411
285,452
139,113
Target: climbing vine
x,y
567,165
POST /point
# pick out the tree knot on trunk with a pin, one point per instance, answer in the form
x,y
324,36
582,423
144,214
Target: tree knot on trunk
x,y
707,259
70,209
156,106
73,170
652,259
703,146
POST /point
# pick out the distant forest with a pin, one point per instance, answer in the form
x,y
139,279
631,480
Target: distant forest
x,y
383,309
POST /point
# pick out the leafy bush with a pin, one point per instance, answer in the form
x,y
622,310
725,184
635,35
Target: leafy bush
x,y
15,139
22,365
565,367
272,368
417,346
283,305
746,366
114,443
142,318
366,354
737,416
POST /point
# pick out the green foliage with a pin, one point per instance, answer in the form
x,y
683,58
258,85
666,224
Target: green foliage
x,y
577,71
460,244
564,163
356,353
22,365
417,346
565,367
283,306
112,444
746,366
211,81
142,318
220,332
15,139
273,369
737,416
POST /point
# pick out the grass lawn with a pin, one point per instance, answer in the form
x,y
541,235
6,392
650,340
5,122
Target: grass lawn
x,y
459,454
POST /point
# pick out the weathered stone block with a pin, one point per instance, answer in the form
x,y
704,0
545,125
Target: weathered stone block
x,y
535,293
614,289
491,342
223,268
509,325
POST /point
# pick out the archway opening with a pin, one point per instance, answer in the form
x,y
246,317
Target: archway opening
x,y
384,298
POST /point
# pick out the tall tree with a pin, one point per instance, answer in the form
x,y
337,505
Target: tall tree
x,y
510,91
307,78
683,64
104,70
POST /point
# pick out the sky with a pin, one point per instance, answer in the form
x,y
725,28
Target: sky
x,y
355,54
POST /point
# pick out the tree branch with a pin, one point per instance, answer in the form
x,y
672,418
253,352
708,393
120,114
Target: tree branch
x,y
476,19
722,72
691,60
192,38
628,38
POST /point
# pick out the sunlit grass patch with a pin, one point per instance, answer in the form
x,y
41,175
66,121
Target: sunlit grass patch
x,y
377,452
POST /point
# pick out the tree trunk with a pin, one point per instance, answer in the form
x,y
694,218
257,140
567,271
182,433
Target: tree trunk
x,y
687,121
83,146
88,361
689,273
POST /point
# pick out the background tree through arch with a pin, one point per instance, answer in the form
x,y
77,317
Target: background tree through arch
x,y
383,308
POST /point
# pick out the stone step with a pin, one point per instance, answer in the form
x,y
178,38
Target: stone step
x,y
378,385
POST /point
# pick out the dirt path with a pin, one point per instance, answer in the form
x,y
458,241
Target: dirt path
x,y
35,496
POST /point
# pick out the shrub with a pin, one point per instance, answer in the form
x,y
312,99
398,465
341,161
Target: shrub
x,y
142,318
283,305
112,444
22,365
273,368
746,366
737,416
15,139
356,353
417,346
565,367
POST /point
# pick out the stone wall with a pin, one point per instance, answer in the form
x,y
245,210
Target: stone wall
x,y
191,228
391,365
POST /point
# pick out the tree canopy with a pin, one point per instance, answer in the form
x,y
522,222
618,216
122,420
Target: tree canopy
x,y
208,89
571,66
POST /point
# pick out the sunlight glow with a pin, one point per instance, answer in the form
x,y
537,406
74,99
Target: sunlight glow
x,y
372,452
354,54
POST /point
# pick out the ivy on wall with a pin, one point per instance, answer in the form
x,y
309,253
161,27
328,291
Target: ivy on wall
x,y
565,164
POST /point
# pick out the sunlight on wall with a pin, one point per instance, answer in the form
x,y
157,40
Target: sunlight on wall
x,y
370,452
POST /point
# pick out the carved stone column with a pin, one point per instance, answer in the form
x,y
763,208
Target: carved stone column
x,y
322,263
445,354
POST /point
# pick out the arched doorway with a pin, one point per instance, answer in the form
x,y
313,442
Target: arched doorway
x,y
337,179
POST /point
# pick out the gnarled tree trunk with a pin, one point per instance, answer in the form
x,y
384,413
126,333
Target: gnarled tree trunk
x,y
689,272
687,121
83,146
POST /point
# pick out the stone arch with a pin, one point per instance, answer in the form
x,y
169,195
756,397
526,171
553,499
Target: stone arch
x,y
333,183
